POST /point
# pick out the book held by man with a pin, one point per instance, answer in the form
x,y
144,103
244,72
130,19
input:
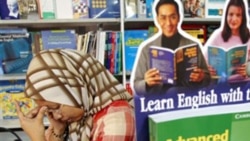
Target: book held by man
x,y
167,61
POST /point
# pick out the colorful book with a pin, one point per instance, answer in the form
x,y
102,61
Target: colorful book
x,y
33,10
15,52
226,61
197,31
80,9
168,61
132,39
118,54
10,91
130,9
223,123
149,8
210,29
46,9
194,9
141,7
9,9
214,8
23,9
152,30
104,9
12,30
58,39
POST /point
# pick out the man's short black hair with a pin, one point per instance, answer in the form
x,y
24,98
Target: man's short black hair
x,y
162,2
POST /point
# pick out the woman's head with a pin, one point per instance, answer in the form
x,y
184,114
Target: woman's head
x,y
52,77
235,22
73,86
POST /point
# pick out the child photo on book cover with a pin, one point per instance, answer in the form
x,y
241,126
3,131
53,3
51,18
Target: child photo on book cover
x,y
228,47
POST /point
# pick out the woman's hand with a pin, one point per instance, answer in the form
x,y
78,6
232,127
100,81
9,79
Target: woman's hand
x,y
212,71
242,70
32,124
56,126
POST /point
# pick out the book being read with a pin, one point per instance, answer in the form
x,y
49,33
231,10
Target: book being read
x,y
226,61
168,61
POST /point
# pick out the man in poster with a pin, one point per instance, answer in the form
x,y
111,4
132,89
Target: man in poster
x,y
146,80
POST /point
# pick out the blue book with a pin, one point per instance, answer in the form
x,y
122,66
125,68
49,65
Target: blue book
x,y
149,8
226,61
1,68
169,62
133,38
15,52
214,8
52,39
118,54
104,9
9,9
13,31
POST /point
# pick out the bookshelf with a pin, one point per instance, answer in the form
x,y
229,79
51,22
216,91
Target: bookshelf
x,y
86,25
55,22
12,76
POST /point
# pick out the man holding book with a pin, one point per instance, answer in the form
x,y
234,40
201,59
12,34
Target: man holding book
x,y
148,80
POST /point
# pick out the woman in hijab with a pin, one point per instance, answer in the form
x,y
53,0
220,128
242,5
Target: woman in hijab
x,y
82,100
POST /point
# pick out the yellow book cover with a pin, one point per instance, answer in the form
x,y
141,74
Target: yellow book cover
x,y
11,90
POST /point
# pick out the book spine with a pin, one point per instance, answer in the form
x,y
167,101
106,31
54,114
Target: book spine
x,y
47,9
141,6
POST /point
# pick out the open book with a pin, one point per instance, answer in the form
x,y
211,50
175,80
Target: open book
x,y
168,61
226,61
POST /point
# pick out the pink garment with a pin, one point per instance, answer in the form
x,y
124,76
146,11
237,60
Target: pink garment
x,y
217,40
114,123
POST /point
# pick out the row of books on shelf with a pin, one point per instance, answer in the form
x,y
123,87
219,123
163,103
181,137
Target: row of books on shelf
x,y
68,9
191,8
18,46
59,9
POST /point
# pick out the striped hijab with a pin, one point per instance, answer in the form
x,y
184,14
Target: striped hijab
x,y
75,79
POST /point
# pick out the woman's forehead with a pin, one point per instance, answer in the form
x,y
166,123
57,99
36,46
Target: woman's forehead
x,y
46,103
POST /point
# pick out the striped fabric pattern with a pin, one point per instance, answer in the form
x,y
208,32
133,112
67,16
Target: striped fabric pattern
x,y
69,77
